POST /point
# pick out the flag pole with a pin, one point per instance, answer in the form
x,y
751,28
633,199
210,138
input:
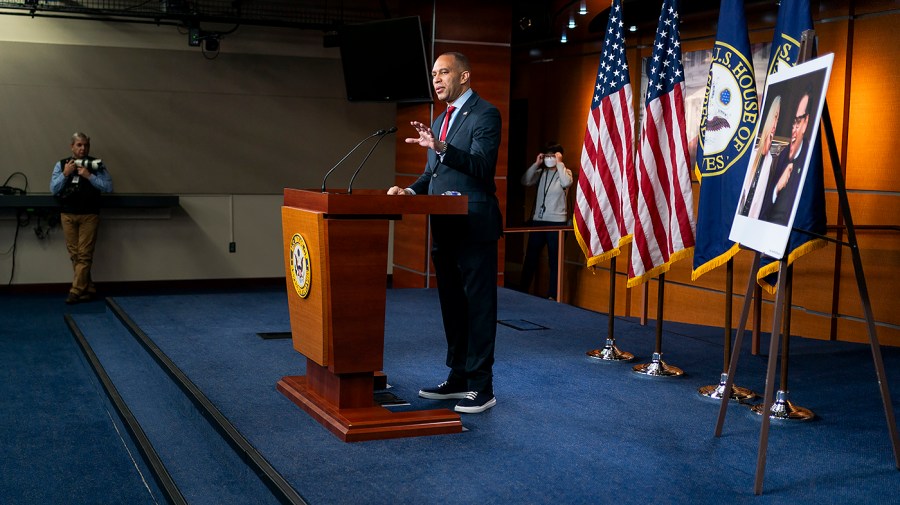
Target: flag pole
x,y
717,392
610,352
657,367
783,409
757,318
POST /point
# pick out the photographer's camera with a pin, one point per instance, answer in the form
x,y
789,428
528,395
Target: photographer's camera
x,y
89,164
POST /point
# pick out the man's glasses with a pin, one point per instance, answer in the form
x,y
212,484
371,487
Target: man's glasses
x,y
798,119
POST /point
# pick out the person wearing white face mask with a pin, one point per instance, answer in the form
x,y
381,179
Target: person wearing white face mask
x,y
553,180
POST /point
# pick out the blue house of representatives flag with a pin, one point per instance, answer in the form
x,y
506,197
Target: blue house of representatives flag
x,y
727,123
794,18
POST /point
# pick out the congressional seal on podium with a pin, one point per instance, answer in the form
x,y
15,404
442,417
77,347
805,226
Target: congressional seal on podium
x,y
300,271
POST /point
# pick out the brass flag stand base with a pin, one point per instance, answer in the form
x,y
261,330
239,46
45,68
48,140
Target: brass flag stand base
x,y
610,352
658,368
784,410
738,393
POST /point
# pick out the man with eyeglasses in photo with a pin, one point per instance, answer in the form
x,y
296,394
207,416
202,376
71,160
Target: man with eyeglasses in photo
x,y
785,176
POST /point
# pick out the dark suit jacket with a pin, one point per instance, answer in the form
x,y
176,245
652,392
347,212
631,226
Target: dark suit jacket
x,y
469,166
779,212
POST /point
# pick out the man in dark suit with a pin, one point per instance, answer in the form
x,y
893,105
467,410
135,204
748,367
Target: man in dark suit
x,y
784,178
462,159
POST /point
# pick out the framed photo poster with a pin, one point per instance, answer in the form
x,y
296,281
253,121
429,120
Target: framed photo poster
x,y
789,125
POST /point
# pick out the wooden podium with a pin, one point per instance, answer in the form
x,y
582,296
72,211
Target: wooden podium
x,y
335,259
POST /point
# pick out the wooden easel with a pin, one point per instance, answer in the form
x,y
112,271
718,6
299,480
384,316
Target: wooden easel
x,y
805,52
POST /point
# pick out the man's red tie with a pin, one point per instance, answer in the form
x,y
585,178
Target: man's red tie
x,y
450,110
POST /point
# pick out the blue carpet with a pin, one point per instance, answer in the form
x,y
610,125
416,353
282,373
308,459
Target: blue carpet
x,y
194,453
567,429
61,439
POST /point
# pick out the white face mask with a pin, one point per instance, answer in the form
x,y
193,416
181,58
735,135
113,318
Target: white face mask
x,y
549,161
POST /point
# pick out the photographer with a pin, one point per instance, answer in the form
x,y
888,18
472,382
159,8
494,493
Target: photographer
x,y
553,179
77,183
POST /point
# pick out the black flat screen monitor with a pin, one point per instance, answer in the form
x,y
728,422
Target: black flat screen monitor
x,y
384,61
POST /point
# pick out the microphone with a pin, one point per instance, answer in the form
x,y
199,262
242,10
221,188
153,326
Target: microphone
x,y
376,134
384,133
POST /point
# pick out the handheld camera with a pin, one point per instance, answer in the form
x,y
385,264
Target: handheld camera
x,y
89,164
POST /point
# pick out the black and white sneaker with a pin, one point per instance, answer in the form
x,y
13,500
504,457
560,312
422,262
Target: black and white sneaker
x,y
476,402
444,391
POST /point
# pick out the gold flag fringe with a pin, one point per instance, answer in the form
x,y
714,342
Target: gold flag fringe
x,y
771,268
592,261
653,272
715,262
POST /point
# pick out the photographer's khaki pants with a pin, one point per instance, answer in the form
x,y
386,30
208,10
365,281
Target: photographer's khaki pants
x,y
80,231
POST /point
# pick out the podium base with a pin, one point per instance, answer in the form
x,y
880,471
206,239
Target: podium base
x,y
368,423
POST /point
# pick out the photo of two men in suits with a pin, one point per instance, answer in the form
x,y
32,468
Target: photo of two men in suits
x,y
778,164
774,175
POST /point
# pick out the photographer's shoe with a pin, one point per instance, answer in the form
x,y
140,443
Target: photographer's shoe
x,y
445,391
475,402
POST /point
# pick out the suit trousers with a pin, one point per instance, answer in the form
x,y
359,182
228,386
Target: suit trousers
x,y
80,231
467,288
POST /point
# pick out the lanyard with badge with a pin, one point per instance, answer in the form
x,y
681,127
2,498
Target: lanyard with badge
x,y
549,162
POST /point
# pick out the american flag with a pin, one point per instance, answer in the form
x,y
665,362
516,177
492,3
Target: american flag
x,y
664,228
604,212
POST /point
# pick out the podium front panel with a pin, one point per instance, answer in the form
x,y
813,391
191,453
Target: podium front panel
x,y
304,266
336,274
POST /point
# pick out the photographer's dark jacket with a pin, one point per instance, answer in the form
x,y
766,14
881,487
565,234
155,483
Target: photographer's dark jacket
x,y
76,194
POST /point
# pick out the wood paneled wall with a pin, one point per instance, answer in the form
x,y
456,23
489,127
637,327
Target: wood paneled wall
x,y
481,31
556,81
